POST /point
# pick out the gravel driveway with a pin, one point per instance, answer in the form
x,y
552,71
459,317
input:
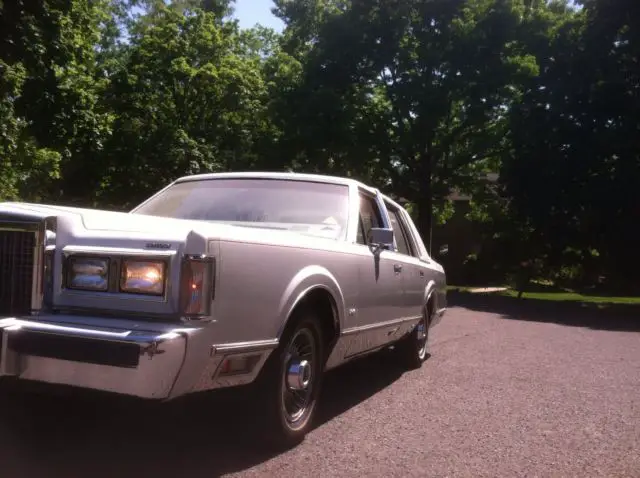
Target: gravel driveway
x,y
506,392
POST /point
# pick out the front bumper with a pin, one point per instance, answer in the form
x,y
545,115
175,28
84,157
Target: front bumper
x,y
116,355
139,363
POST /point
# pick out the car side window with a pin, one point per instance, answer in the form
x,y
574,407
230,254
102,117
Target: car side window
x,y
400,233
369,217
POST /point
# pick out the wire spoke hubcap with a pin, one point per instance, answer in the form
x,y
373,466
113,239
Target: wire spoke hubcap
x,y
422,335
299,375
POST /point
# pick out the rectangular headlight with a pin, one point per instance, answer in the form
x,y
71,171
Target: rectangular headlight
x,y
88,273
142,277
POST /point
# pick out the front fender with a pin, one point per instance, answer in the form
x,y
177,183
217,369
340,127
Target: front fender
x,y
306,280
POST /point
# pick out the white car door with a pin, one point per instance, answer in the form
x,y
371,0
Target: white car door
x,y
381,301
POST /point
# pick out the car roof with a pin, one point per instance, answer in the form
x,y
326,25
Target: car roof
x,y
291,176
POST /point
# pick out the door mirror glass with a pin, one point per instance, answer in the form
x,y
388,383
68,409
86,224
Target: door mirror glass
x,y
381,238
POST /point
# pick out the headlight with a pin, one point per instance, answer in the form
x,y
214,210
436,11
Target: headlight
x,y
142,277
88,273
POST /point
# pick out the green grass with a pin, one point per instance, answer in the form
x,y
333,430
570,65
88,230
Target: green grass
x,y
572,297
546,292
457,288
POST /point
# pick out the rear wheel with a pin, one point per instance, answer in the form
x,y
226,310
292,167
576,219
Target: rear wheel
x,y
412,350
291,382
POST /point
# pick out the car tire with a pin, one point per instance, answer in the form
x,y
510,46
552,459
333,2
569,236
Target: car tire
x,y
291,381
413,349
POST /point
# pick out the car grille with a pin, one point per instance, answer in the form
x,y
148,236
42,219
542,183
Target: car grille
x,y
16,271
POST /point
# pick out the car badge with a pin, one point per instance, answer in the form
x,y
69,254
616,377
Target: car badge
x,y
157,245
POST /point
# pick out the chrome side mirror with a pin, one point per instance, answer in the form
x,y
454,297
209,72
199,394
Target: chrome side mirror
x,y
381,238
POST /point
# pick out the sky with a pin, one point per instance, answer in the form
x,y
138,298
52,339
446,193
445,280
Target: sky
x,y
250,12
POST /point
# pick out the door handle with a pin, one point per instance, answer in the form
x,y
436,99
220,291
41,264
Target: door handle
x,y
397,268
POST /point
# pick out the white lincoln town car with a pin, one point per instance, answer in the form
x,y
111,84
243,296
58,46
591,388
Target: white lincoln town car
x,y
218,280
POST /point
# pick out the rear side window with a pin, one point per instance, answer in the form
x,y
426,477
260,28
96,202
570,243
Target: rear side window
x,y
400,232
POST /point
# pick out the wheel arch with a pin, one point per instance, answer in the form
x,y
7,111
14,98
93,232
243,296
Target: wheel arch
x,y
430,297
317,288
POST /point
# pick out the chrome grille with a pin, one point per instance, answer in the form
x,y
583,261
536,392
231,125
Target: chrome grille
x,y
17,256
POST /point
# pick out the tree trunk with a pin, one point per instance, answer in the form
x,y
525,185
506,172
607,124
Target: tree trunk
x,y
525,275
425,200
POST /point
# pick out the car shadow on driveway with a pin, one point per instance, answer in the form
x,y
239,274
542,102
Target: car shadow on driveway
x,y
613,317
68,433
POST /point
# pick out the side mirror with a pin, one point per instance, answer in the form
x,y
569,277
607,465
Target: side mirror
x,y
444,249
381,238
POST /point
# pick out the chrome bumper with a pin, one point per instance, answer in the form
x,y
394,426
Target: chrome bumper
x,y
131,362
114,355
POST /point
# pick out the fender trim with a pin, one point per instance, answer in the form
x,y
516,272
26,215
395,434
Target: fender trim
x,y
303,283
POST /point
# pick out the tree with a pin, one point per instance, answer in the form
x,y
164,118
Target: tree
x,y
575,158
50,96
426,84
188,99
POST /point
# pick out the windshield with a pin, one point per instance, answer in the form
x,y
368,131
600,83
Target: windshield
x,y
319,209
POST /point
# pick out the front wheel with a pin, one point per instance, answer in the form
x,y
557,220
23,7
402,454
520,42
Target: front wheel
x,y
291,382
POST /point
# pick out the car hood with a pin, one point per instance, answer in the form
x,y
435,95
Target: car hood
x,y
98,219
102,222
